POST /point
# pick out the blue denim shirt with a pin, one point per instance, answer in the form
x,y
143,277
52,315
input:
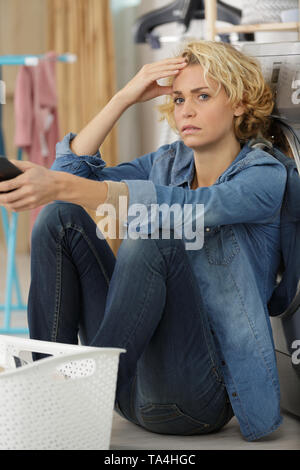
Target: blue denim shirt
x,y
237,266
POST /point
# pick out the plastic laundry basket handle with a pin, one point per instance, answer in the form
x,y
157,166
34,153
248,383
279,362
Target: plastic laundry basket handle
x,y
12,345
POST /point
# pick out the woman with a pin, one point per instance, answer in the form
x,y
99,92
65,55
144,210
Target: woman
x,y
194,322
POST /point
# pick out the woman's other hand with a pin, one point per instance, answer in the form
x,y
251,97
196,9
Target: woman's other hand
x,y
35,187
144,86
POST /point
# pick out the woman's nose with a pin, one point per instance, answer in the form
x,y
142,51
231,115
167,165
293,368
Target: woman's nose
x,y
188,109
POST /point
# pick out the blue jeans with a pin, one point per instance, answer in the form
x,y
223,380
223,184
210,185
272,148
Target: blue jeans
x,y
146,301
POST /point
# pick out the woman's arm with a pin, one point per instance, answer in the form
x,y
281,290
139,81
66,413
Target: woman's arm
x,y
88,141
38,186
142,87
252,195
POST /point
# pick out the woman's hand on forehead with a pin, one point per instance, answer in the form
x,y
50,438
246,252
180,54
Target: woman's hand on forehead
x,y
144,86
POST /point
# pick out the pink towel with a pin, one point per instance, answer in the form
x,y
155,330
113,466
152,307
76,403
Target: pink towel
x,y
36,115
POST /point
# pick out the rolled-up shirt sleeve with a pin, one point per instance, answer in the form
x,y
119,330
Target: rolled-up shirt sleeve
x,y
93,167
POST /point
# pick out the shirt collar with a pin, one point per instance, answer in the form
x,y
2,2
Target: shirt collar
x,y
184,166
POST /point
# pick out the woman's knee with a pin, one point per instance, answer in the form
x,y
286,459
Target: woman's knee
x,y
136,247
52,218
156,254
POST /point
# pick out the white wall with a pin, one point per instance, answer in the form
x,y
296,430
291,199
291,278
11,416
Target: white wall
x,y
129,136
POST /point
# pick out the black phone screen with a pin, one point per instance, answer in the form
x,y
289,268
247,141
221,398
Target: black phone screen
x,y
8,170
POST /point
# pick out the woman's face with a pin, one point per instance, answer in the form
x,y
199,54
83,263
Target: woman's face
x,y
201,118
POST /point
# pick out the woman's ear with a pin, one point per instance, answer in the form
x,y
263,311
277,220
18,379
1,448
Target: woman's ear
x,y
239,109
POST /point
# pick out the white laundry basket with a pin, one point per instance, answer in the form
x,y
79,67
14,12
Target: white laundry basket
x,y
62,402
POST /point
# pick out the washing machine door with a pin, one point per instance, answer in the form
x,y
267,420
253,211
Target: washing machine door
x,y
280,64
286,333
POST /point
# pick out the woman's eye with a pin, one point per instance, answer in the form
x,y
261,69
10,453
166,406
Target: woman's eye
x,y
203,96
178,100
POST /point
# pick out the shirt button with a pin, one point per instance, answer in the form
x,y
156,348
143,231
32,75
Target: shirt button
x,y
223,363
207,229
234,394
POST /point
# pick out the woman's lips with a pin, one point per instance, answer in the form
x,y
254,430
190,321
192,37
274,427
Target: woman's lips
x,y
190,130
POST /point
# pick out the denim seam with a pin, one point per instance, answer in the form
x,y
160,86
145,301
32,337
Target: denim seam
x,y
132,402
253,330
250,433
79,229
215,397
141,315
272,429
210,349
59,271
201,427
222,418
228,259
167,153
176,413
162,418
266,270
57,292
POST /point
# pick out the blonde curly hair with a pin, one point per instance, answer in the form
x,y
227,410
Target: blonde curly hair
x,y
242,79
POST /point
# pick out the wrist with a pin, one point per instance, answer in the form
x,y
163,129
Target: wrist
x,y
63,185
81,191
122,99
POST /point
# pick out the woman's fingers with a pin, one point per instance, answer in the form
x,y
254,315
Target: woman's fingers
x,y
173,60
165,74
158,73
144,87
24,205
169,64
31,189
13,196
23,165
24,198
166,67
10,185
170,70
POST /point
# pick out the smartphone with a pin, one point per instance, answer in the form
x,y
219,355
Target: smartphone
x,y
8,170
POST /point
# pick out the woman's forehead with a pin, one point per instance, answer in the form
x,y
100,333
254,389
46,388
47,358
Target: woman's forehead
x,y
192,77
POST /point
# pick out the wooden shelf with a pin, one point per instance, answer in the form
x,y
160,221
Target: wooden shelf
x,y
252,28
212,30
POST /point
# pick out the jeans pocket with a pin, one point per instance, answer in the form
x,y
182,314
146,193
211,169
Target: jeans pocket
x,y
221,245
170,419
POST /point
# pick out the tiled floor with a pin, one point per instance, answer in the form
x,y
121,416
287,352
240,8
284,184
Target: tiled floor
x,y
127,436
